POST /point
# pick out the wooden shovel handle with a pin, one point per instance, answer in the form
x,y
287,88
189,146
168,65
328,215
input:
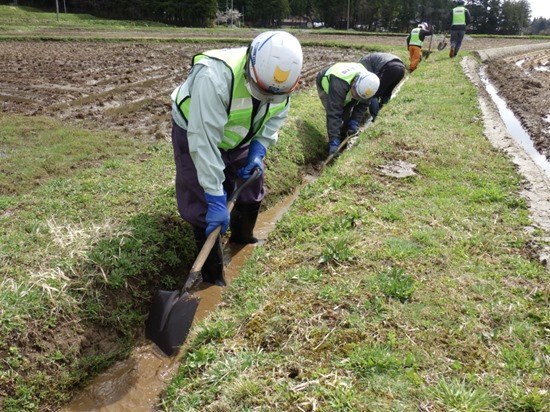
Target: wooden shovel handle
x,y
211,239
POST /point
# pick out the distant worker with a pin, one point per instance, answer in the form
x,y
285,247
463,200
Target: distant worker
x,y
459,18
390,69
415,41
225,116
345,90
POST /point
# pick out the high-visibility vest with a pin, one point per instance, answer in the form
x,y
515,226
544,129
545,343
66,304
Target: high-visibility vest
x,y
415,37
240,123
344,71
459,15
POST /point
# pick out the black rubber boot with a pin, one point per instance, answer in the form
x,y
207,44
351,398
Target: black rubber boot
x,y
243,220
212,270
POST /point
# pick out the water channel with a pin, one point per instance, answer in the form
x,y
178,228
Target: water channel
x,y
134,385
514,127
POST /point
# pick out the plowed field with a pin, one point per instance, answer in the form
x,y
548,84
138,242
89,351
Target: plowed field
x,y
126,86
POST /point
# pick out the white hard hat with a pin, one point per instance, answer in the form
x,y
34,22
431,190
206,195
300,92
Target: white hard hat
x,y
366,85
274,66
423,25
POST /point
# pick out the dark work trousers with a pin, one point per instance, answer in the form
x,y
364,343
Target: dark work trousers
x,y
456,39
192,205
390,76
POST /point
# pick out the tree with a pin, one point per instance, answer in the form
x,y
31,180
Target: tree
x,y
515,16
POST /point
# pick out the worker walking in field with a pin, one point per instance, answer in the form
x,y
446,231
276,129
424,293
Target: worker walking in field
x,y
225,117
459,18
345,90
415,41
390,69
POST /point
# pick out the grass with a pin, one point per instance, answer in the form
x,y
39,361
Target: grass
x,y
380,294
372,294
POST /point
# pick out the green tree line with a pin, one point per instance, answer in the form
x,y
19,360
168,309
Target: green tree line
x,y
488,16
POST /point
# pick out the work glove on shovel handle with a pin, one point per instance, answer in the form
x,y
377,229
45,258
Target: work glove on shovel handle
x,y
217,213
256,153
333,145
353,127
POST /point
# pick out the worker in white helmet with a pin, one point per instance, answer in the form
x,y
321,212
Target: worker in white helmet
x,y
225,117
345,90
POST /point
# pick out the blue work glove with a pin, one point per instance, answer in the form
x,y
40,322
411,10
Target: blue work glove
x,y
333,146
353,127
256,153
217,213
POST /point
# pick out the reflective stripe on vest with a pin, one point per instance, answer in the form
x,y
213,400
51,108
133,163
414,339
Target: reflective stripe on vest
x,y
239,113
344,71
415,38
459,15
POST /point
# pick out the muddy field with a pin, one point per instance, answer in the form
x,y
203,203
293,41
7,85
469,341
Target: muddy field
x,y
126,86
524,82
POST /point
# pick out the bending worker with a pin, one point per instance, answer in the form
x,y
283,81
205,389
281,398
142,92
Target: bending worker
x,y
459,18
224,118
390,69
415,41
345,90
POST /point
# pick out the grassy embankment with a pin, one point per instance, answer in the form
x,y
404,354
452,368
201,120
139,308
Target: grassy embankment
x,y
373,293
376,293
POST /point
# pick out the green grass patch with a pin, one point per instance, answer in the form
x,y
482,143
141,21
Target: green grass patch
x,y
378,293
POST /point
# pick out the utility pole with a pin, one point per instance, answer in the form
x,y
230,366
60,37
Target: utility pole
x,y
348,16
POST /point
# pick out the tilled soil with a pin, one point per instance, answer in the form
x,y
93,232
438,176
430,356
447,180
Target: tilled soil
x,y
126,86
117,86
524,82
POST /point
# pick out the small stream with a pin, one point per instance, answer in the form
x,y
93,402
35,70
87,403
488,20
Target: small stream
x,y
514,127
134,385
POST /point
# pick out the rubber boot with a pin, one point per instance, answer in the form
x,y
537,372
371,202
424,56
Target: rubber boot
x,y
452,53
212,270
243,220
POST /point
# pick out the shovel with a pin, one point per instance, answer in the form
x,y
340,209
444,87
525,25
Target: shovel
x,y
429,47
443,43
172,313
339,149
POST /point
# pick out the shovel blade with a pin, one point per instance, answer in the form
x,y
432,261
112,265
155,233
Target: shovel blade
x,y
170,320
441,46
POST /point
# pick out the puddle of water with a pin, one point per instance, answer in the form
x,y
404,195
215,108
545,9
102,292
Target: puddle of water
x,y
515,128
134,385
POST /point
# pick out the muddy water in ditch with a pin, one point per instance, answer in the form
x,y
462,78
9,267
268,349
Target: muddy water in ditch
x,y
514,126
135,384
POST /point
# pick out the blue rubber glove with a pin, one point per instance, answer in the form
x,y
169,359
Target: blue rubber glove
x,y
217,213
353,127
256,153
333,146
